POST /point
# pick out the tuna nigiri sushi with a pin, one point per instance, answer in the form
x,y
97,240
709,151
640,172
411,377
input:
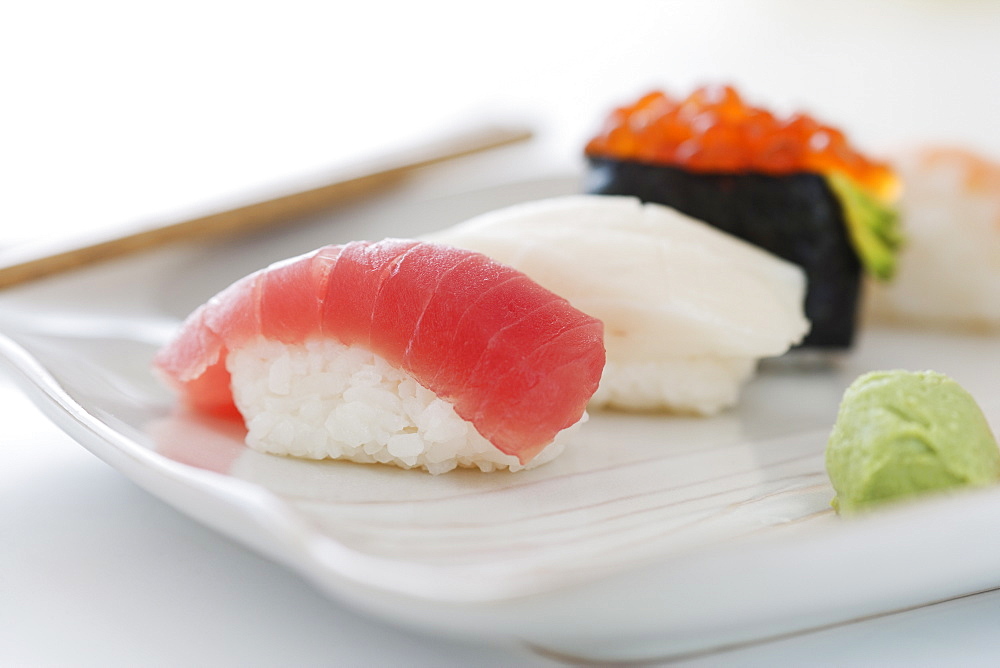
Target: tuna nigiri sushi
x,y
792,186
688,310
397,351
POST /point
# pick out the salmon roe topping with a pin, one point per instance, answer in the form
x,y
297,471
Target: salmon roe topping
x,y
714,130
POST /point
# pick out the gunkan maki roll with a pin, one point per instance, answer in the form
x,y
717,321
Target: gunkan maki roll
x,y
789,185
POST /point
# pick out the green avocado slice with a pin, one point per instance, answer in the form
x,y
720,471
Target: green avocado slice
x,y
873,226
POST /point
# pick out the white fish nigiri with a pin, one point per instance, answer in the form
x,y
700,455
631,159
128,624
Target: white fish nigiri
x,y
688,310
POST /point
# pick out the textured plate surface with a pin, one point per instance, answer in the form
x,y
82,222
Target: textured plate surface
x,y
651,536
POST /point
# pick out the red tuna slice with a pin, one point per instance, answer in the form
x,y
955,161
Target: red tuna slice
x,y
288,312
522,347
566,359
497,306
271,302
543,355
406,291
515,360
436,345
354,286
195,363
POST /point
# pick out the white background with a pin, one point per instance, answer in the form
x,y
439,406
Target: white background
x,y
118,111
113,113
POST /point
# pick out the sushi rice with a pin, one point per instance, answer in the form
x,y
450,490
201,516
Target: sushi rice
x,y
701,385
320,399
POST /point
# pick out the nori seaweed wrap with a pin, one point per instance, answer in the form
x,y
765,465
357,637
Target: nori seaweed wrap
x,y
793,187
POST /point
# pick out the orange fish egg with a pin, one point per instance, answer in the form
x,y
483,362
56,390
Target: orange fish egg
x,y
714,130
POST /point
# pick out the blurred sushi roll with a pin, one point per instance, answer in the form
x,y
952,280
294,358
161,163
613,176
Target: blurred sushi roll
x,y
792,186
949,270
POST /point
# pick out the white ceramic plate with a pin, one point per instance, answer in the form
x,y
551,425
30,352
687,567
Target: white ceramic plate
x,y
651,537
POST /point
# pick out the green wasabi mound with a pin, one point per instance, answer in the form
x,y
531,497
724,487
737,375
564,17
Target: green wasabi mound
x,y
900,434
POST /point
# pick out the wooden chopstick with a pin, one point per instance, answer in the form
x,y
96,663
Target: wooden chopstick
x,y
33,263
